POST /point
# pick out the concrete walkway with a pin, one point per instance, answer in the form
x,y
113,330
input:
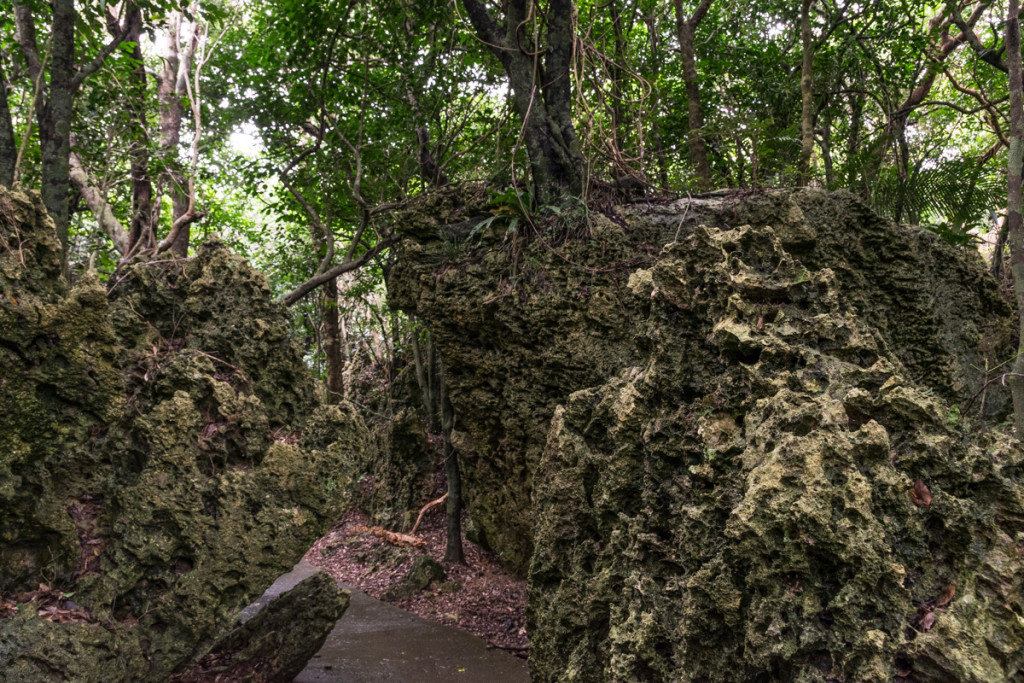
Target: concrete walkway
x,y
374,641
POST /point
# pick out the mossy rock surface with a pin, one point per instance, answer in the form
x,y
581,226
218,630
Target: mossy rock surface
x,y
275,645
423,571
162,457
771,495
522,328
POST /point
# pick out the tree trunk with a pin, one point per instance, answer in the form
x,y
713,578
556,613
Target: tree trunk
x,y
332,342
1014,219
853,144
542,97
8,147
55,109
618,109
142,228
431,174
54,119
453,513
807,95
171,89
826,148
685,29
659,147
996,268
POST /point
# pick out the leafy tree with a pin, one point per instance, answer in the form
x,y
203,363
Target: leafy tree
x,y
535,47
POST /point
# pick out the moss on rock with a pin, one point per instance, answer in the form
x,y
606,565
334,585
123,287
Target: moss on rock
x,y
769,495
275,644
520,328
162,456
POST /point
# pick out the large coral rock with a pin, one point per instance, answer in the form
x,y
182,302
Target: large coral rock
x,y
520,328
162,459
776,492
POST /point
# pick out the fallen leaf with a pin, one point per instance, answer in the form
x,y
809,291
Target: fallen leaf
x,y
920,495
946,596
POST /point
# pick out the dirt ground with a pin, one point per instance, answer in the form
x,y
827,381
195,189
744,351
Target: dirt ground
x,y
479,597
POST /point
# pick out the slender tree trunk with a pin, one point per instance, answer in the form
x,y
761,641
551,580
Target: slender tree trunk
x,y
453,514
332,342
101,210
428,379
807,94
853,143
54,119
826,148
8,146
997,252
142,228
1014,219
173,77
431,174
618,108
655,116
685,29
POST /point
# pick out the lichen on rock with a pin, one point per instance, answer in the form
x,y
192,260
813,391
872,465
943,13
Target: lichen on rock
x,y
163,458
521,327
741,458
742,506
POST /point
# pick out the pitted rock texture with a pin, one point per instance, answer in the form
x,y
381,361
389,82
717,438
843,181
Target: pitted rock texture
x,y
769,495
162,458
520,328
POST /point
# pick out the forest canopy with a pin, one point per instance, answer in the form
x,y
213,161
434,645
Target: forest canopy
x,y
295,129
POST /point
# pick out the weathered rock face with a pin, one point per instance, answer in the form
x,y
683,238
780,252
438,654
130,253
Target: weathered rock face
x,y
403,477
161,456
769,495
521,329
517,335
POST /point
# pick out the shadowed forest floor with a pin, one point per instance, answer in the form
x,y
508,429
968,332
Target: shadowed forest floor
x,y
480,597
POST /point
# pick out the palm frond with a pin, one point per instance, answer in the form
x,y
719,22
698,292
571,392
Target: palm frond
x,y
950,197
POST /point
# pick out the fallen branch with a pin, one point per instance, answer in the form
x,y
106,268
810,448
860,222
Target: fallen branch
x,y
392,537
426,507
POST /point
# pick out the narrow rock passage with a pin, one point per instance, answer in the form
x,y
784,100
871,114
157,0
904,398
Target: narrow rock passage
x,y
374,641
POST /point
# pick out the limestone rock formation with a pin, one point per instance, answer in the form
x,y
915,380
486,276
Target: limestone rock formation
x,y
162,458
770,496
521,327
275,645
725,434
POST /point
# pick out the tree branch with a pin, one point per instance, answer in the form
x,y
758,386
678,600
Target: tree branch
x,y
988,55
317,280
98,205
93,66
487,29
698,14
25,34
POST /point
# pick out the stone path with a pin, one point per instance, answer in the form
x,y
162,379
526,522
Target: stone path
x,y
374,642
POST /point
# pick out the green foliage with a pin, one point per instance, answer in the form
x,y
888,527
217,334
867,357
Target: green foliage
x,y
951,197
